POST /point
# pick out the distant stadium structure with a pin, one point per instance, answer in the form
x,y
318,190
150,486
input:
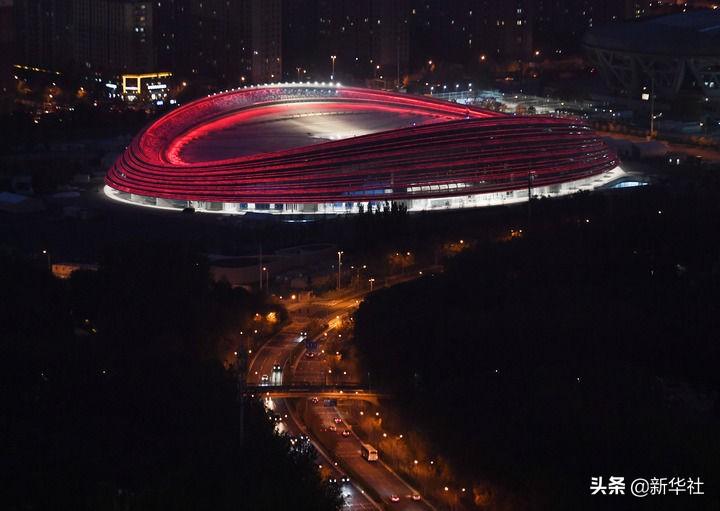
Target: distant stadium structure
x,y
674,53
328,149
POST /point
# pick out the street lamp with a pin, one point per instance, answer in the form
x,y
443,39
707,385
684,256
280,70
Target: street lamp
x,y
363,267
651,97
298,72
333,57
531,179
340,253
267,279
47,255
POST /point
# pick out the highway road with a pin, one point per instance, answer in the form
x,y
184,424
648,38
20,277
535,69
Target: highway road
x,y
375,474
277,351
355,499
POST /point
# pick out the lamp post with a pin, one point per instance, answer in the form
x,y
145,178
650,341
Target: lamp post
x,y
267,279
260,265
652,106
340,254
404,261
651,97
298,71
333,57
531,178
363,267
47,255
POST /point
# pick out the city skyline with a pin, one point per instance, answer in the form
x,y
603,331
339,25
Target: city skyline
x,y
260,41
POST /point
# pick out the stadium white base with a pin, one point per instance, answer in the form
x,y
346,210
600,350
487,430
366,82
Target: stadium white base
x,y
341,208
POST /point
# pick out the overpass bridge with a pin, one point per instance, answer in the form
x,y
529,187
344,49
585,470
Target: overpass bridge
x,y
339,392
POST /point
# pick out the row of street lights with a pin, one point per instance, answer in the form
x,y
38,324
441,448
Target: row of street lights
x,y
265,274
302,71
447,491
371,280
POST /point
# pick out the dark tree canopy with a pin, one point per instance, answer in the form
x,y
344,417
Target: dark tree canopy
x,y
585,348
112,397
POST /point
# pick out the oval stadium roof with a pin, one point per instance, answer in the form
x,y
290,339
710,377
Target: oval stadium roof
x,y
691,34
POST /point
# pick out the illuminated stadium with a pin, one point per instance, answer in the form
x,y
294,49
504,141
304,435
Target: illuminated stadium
x,y
328,149
671,54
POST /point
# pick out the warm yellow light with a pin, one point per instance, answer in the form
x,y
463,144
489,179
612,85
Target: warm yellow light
x,y
138,78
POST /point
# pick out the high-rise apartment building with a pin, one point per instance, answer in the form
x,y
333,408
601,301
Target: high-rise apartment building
x,y
204,38
465,31
300,53
225,42
7,54
42,32
266,40
230,42
390,41
102,35
112,35
363,38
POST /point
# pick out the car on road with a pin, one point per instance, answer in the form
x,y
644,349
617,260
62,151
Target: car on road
x,y
314,400
332,428
337,420
415,496
264,378
309,354
345,432
394,498
277,418
277,368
